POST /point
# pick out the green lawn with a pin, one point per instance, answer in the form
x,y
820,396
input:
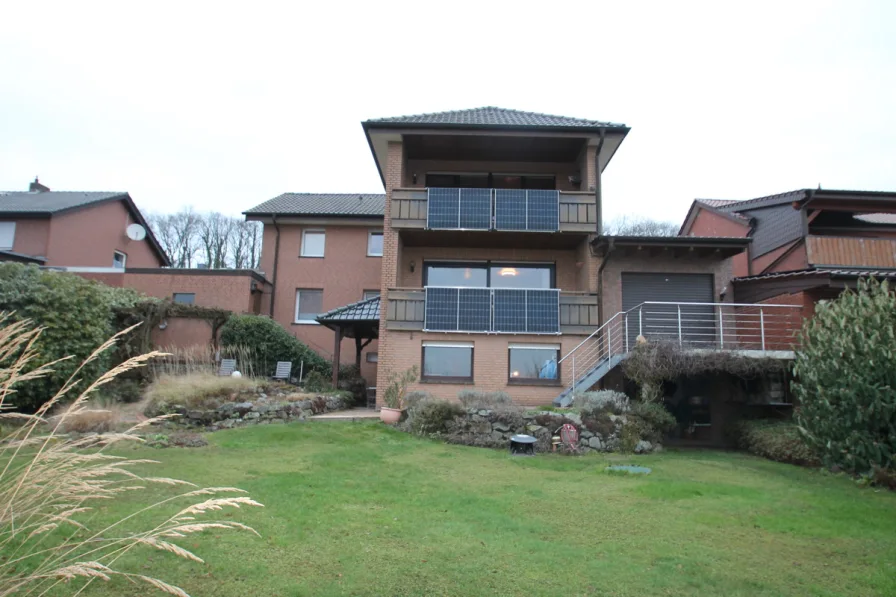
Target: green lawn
x,y
359,509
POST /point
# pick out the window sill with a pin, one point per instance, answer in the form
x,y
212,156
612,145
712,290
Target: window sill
x,y
369,255
449,380
305,322
534,382
311,256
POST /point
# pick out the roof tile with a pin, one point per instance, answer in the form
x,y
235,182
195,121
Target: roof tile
x,y
323,204
498,117
366,310
50,202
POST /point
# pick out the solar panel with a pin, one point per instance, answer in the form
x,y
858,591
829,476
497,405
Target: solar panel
x,y
510,310
542,311
474,310
454,209
457,309
537,210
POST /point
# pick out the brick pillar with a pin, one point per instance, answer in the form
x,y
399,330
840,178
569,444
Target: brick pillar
x,y
391,264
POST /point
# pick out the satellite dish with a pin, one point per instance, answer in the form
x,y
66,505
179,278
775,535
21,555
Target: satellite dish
x,y
136,232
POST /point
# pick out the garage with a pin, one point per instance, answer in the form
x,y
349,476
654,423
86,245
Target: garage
x,y
695,325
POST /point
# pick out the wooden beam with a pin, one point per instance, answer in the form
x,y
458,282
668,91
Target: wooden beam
x,y
336,349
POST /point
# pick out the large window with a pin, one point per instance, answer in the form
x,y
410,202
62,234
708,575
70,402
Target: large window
x,y
313,242
454,181
186,298
534,363
489,275
309,304
375,243
447,362
7,234
485,180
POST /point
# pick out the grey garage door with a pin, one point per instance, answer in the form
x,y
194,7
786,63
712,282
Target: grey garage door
x,y
695,326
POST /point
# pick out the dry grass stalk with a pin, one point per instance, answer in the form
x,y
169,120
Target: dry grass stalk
x,y
201,359
49,480
197,390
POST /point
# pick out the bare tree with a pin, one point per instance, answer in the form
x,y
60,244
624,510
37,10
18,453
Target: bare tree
x,y
177,233
216,240
215,232
640,226
245,245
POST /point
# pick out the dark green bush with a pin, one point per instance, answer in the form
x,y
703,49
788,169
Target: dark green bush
x,y
350,381
608,401
599,424
484,400
554,422
432,416
845,375
657,419
267,342
316,382
77,317
775,440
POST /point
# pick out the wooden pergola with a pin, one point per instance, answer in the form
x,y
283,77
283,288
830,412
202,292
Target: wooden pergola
x,y
360,321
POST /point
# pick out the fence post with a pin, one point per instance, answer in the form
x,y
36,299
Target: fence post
x,y
640,322
573,374
762,327
626,332
679,325
721,329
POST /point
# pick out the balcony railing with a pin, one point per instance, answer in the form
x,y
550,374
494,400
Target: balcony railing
x,y
500,310
493,209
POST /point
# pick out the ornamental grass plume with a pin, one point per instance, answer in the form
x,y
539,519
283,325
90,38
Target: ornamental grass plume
x,y
49,481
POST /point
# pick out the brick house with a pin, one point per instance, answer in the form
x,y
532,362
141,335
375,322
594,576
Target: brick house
x,y
805,245
74,229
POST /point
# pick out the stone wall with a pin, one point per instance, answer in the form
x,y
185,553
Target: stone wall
x,y
262,409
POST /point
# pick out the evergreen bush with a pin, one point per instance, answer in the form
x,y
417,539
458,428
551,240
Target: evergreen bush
x,y
267,342
845,380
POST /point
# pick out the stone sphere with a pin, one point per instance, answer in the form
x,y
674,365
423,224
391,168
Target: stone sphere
x,y
236,374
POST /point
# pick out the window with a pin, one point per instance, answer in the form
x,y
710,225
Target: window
x,y
373,357
375,244
534,363
313,243
453,181
369,294
187,298
447,362
491,275
119,259
7,234
309,304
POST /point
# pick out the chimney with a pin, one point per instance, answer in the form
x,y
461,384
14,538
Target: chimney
x,y
36,187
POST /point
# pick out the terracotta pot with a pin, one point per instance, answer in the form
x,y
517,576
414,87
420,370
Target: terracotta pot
x,y
390,415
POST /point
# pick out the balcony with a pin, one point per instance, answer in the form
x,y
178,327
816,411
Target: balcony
x,y
506,210
491,310
851,252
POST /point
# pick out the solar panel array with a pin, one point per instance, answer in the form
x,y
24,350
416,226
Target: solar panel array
x,y
513,209
503,310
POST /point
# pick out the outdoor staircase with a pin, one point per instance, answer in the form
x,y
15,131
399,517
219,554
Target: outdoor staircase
x,y
751,330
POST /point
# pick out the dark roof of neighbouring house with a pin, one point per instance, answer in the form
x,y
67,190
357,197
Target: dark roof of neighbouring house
x,y
323,204
820,272
44,204
366,310
51,202
21,257
493,117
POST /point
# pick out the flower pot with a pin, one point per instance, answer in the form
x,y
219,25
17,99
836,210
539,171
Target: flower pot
x,y
390,416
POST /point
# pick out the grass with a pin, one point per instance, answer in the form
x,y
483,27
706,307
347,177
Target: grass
x,y
360,509
198,390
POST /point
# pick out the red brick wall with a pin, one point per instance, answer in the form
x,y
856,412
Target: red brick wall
x,y
708,223
223,291
344,273
30,236
392,257
88,237
796,260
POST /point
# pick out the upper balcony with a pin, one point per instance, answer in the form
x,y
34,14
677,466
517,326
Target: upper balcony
x,y
488,210
856,252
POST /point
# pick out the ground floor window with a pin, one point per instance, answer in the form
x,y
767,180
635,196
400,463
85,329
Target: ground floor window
x,y
373,357
534,363
186,298
447,361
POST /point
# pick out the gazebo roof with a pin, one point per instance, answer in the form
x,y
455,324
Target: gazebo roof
x,y
356,320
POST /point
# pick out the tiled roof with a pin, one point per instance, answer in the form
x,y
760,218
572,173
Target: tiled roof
x,y
497,117
50,202
876,218
716,204
803,273
323,204
366,310
759,202
16,256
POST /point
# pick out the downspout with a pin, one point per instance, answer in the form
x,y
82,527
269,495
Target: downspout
x,y
598,194
276,261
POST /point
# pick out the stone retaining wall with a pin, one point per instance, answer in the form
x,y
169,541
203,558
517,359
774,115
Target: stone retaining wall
x,y
263,409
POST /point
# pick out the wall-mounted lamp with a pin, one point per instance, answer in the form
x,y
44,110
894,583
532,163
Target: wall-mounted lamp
x,y
413,265
414,177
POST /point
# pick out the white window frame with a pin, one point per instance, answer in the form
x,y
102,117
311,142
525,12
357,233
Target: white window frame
x,y
124,260
174,295
448,379
12,237
305,233
370,234
298,302
528,346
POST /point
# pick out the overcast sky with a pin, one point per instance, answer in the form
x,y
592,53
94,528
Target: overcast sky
x,y
224,107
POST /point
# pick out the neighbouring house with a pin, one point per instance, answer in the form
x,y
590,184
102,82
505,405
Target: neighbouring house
x,y
322,252
806,245
74,229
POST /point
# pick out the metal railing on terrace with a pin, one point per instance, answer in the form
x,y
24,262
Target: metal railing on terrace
x,y
493,209
496,310
694,326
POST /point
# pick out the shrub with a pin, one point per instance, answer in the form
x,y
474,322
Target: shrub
x,y
76,314
432,416
553,422
399,381
775,440
197,391
89,421
351,382
845,373
657,419
599,424
317,382
124,390
608,401
484,400
49,486
268,343
411,399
